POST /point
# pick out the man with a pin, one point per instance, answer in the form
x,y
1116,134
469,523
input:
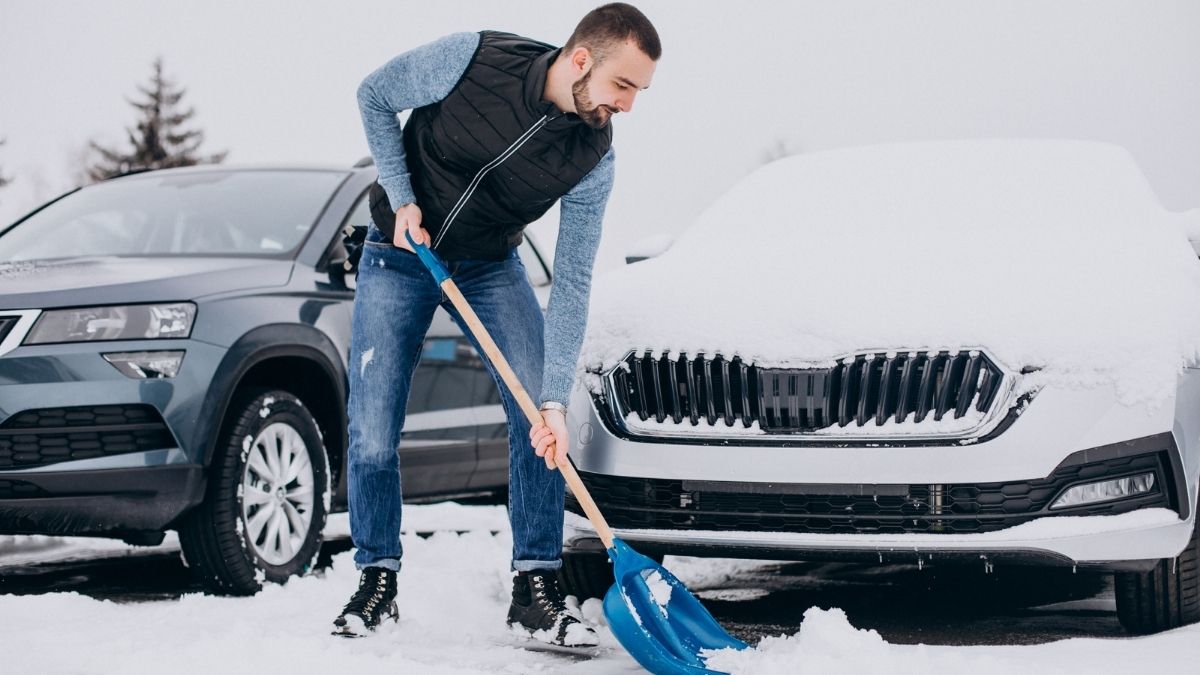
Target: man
x,y
501,128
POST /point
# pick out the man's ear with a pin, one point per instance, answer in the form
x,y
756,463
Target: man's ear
x,y
580,58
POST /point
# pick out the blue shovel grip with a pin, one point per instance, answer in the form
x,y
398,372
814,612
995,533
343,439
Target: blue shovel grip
x,y
431,259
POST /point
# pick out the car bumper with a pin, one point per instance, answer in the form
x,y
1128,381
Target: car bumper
x,y
84,449
1131,541
654,489
111,501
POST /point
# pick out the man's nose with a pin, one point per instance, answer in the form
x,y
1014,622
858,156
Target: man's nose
x,y
625,103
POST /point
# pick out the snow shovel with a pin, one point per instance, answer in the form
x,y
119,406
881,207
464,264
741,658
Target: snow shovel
x,y
652,614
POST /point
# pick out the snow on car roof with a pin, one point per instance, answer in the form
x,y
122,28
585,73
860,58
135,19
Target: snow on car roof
x,y
1048,254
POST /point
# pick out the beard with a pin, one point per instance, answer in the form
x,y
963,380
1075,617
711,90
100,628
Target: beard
x,y
595,116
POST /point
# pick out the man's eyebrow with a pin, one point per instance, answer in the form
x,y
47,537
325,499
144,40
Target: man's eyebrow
x,y
631,83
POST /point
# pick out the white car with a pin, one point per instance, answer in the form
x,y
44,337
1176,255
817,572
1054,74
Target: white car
x,y
970,351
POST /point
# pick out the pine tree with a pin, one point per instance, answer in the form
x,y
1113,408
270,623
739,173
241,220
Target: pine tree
x,y
159,142
4,180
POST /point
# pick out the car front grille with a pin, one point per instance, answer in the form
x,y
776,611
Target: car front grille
x,y
641,503
859,390
50,435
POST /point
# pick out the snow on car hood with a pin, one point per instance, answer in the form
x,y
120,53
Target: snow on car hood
x,y
1048,254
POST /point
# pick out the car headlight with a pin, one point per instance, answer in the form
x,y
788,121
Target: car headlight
x,y
123,322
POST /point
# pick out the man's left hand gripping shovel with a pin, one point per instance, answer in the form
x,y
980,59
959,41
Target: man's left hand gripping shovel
x,y
651,613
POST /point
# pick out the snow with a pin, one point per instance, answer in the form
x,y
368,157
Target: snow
x,y
1051,254
650,246
828,643
660,590
453,594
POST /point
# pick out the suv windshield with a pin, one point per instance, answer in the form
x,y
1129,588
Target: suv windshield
x,y
247,212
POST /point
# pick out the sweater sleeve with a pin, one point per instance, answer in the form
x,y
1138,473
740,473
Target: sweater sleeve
x,y
419,77
580,218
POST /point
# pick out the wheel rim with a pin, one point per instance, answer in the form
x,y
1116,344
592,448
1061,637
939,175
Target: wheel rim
x,y
277,493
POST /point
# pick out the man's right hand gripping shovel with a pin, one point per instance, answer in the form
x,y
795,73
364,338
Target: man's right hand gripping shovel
x,y
408,219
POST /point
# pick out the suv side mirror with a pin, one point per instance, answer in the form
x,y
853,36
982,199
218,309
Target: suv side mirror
x,y
648,247
1191,226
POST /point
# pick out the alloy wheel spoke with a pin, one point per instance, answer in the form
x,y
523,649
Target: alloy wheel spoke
x,y
283,531
253,495
258,521
256,462
298,522
298,467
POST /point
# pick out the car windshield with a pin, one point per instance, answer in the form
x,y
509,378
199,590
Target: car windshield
x,y
247,212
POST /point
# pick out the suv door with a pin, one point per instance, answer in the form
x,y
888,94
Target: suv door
x,y
492,467
437,445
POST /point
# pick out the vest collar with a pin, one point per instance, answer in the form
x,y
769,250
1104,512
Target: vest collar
x,y
535,84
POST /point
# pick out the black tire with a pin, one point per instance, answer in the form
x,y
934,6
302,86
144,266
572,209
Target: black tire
x,y
1166,597
585,575
589,574
216,538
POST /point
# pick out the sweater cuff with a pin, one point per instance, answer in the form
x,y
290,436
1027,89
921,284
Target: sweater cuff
x,y
399,190
556,392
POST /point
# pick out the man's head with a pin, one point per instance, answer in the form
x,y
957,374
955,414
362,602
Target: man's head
x,y
611,56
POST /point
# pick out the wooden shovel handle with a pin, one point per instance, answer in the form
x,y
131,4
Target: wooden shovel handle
x,y
528,407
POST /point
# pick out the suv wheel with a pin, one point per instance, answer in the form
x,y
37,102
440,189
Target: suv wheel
x,y
267,497
1167,596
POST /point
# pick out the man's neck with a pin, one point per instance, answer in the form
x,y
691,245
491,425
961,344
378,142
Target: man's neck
x,y
558,85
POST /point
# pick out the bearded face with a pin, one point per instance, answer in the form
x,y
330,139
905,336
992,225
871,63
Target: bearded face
x,y
595,116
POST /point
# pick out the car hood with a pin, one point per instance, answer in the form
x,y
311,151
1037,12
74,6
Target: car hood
x,y
75,282
1046,254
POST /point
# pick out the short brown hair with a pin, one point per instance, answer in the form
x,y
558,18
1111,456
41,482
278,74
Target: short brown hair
x,y
603,29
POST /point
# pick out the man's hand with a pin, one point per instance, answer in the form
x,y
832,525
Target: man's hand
x,y
549,437
408,217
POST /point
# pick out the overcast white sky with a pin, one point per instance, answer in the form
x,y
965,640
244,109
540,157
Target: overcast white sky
x,y
275,81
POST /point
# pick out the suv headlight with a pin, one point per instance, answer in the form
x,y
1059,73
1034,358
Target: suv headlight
x,y
123,322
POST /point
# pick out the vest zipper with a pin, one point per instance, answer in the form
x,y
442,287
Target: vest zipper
x,y
509,152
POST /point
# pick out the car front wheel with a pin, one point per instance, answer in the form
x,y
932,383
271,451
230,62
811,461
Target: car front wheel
x,y
1166,597
267,497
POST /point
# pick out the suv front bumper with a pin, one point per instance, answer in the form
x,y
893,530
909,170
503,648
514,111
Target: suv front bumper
x,y
108,501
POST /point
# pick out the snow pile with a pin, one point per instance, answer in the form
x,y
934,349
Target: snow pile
x,y
827,643
1054,254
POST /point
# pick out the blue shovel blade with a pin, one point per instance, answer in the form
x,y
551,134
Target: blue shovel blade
x,y
656,619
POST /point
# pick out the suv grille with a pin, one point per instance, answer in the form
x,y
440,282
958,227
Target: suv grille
x,y
50,435
858,389
642,503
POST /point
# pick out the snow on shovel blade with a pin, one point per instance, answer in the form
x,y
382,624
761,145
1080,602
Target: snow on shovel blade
x,y
656,619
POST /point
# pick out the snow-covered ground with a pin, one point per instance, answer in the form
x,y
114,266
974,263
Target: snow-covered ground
x,y
453,596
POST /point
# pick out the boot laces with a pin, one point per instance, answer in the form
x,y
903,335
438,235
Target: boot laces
x,y
372,588
547,594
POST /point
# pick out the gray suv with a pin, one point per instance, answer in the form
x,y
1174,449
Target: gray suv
x,y
173,350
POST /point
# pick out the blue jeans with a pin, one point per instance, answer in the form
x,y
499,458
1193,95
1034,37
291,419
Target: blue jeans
x,y
394,306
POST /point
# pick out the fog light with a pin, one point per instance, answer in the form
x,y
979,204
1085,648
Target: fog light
x,y
1105,490
146,365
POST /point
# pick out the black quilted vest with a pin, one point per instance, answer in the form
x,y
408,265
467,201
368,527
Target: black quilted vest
x,y
492,157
